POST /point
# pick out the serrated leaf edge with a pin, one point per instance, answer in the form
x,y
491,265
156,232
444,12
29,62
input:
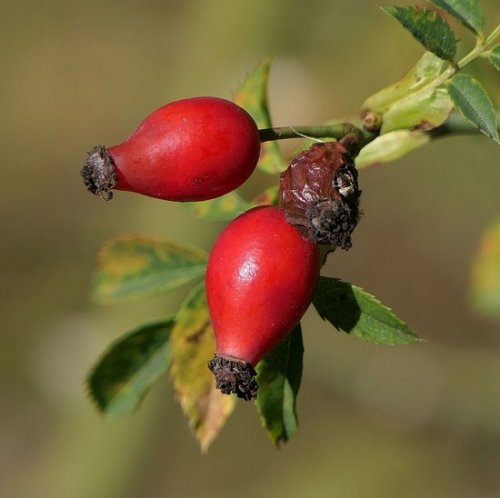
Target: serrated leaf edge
x,y
413,335
458,16
393,316
388,10
476,83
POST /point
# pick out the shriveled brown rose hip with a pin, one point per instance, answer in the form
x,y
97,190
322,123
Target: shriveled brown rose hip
x,y
319,194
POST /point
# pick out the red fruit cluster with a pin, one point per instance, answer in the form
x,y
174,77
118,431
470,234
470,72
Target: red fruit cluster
x,y
190,150
264,266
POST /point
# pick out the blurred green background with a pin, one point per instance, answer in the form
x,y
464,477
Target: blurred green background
x,y
375,421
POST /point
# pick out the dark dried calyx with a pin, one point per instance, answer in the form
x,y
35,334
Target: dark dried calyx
x,y
319,194
99,173
234,376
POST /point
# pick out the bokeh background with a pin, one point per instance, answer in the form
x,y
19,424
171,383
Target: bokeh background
x,y
375,421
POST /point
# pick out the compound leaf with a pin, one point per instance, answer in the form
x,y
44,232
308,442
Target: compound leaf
x,y
467,12
252,96
278,375
126,371
473,102
428,27
130,267
193,345
352,310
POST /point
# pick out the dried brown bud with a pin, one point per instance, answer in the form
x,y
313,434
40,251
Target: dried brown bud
x,y
320,195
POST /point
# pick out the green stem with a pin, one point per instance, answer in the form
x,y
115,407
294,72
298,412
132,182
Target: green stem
x,y
473,54
455,125
480,49
492,36
335,130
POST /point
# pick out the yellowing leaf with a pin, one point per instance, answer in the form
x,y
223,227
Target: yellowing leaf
x,y
193,345
485,282
130,267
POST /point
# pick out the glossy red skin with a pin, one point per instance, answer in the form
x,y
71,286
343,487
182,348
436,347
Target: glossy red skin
x,y
259,282
189,150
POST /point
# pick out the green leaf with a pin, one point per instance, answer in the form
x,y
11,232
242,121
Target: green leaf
x,y
422,110
390,147
278,375
494,57
416,101
419,78
130,267
352,310
468,12
252,96
473,102
428,27
485,288
222,208
193,345
123,376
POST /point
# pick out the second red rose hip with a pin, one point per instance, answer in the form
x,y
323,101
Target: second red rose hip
x,y
260,278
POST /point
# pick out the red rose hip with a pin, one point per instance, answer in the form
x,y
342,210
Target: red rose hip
x,y
260,278
189,150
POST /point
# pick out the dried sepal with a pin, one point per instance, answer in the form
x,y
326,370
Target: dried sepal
x,y
99,173
234,376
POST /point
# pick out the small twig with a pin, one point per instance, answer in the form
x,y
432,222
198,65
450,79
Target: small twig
x,y
335,130
455,125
